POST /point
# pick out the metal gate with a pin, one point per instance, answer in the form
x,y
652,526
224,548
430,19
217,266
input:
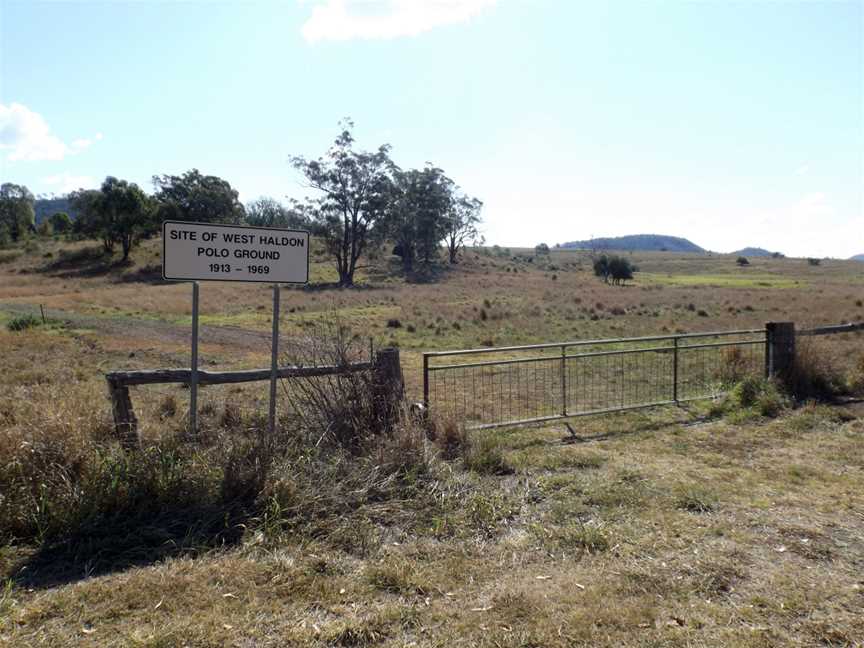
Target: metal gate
x,y
493,387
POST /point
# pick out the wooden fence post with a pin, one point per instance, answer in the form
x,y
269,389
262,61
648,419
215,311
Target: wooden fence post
x,y
388,385
780,349
125,423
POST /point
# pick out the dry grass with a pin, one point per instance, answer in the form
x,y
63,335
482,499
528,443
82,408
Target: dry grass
x,y
661,528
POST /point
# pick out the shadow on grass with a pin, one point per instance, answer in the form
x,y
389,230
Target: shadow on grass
x,y
94,261
622,424
123,544
321,286
422,273
149,274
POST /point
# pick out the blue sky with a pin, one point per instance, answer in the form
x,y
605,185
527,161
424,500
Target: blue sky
x,y
730,123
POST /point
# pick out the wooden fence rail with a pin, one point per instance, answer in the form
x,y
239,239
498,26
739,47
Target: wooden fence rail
x,y
385,368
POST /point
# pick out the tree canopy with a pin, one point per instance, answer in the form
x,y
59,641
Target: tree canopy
x,y
461,224
118,212
418,205
196,197
354,190
60,222
616,268
269,212
17,217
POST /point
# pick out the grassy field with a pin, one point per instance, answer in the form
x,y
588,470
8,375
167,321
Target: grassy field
x,y
715,524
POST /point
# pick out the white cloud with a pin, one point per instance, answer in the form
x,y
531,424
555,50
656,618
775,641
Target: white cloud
x,y
66,182
341,20
81,144
25,135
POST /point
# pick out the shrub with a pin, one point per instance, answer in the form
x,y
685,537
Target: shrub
x,y
336,409
742,261
812,375
23,322
814,262
758,395
394,323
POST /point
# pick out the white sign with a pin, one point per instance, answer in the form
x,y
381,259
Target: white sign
x,y
210,252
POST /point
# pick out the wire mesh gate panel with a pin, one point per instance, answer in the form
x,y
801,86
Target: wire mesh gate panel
x,y
543,382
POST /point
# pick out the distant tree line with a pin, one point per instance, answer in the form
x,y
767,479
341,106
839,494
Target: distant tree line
x,y
363,200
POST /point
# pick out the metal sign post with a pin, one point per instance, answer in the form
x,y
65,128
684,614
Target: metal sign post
x,y
274,359
193,382
213,252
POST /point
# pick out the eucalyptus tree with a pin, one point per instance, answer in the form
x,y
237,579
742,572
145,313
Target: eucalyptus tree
x,y
196,197
461,224
354,189
17,216
269,212
417,211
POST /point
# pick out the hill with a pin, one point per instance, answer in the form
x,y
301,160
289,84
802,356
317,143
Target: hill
x,y
47,206
857,257
641,242
754,252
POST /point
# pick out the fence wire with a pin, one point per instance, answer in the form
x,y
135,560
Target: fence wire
x,y
553,381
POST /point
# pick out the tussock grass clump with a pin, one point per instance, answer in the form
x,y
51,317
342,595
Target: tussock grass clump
x,y
449,436
695,498
483,454
628,490
585,460
397,576
591,537
752,397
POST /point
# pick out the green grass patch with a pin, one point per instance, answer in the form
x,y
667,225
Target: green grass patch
x,y
721,281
